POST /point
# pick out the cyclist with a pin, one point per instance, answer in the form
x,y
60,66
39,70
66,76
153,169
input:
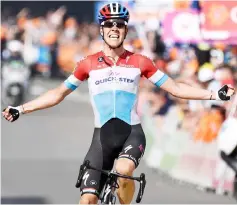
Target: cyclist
x,y
113,75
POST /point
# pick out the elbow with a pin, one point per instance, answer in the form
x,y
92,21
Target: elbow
x,y
57,96
175,91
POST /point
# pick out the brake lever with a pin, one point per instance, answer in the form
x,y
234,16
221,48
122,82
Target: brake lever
x,y
83,168
141,188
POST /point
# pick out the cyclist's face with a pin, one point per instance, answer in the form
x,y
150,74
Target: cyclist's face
x,y
114,32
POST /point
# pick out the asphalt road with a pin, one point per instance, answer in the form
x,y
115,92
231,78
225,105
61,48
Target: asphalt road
x,y
42,152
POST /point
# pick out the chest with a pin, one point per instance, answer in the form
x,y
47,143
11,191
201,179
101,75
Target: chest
x,y
114,78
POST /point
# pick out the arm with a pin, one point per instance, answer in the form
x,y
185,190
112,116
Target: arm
x,y
55,96
186,91
48,99
179,89
52,97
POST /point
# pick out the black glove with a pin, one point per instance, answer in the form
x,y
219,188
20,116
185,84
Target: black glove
x,y
222,93
14,111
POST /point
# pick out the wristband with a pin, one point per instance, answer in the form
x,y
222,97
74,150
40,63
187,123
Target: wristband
x,y
19,108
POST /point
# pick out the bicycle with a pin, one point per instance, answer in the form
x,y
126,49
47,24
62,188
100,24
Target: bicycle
x,y
107,196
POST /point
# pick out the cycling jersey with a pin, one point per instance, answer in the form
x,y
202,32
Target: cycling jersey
x,y
113,87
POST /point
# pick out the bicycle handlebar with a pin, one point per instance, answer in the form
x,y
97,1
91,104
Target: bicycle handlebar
x,y
86,165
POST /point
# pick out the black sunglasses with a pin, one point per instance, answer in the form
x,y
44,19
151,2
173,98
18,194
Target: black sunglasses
x,y
111,24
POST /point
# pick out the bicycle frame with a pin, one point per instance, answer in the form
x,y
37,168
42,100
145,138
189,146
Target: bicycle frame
x,y
107,195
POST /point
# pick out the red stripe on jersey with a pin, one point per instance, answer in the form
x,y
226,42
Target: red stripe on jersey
x,y
147,66
82,68
128,59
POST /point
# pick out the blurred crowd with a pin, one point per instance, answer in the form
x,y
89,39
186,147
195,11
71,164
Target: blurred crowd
x,y
52,44
204,66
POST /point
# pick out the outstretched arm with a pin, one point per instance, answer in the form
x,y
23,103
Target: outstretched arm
x,y
52,97
186,91
178,89
48,99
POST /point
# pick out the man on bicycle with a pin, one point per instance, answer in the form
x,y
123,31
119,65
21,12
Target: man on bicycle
x,y
113,76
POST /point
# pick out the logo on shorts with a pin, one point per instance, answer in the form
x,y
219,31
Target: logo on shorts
x,y
85,177
141,148
93,182
127,148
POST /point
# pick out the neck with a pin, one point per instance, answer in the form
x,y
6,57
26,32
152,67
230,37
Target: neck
x,y
113,53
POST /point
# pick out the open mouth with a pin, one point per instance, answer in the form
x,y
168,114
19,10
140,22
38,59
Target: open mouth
x,y
114,36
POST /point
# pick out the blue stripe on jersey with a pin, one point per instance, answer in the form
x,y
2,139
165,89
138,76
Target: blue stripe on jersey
x,y
124,103
162,80
70,85
104,103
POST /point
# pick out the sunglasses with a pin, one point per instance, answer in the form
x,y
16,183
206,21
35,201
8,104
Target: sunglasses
x,y
111,24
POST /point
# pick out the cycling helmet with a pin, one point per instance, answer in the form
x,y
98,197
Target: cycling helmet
x,y
113,11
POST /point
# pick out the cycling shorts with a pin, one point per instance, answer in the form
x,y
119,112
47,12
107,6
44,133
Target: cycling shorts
x,y
115,139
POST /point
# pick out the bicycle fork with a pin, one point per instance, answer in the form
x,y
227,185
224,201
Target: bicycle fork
x,y
108,194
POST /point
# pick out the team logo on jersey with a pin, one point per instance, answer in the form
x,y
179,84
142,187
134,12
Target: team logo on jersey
x,y
100,59
111,73
114,79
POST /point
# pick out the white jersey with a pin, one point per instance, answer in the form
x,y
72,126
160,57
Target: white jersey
x,y
114,87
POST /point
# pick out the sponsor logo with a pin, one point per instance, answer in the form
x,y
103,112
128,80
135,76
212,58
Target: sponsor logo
x,y
113,73
124,155
133,158
114,79
85,177
129,157
141,148
93,182
89,191
126,66
100,59
127,148
223,92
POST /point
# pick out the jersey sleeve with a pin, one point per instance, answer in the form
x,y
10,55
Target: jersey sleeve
x,y
79,74
151,72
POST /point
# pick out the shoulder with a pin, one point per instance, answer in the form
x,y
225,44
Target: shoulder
x,y
87,61
145,62
142,57
138,57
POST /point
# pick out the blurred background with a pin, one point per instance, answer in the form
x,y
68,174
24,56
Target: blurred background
x,y
192,41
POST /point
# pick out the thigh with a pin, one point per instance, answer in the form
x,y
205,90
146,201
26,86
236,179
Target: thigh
x,y
100,157
134,146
